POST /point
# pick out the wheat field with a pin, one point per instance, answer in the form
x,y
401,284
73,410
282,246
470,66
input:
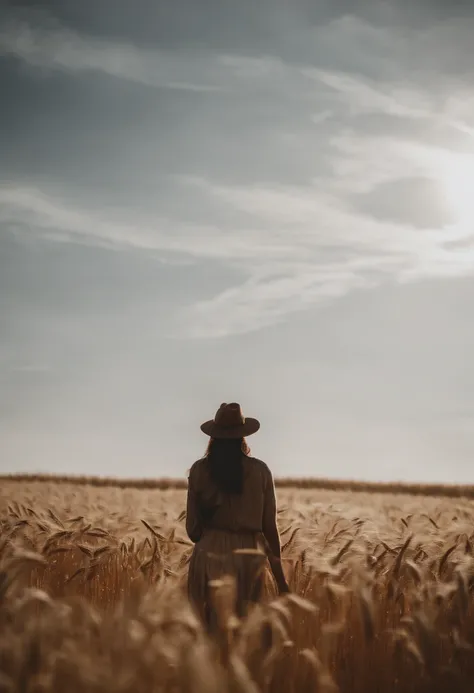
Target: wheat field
x,y
92,595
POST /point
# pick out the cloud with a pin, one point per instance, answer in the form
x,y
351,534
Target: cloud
x,y
59,48
49,45
30,208
263,302
303,244
406,100
365,250
366,96
353,209
425,203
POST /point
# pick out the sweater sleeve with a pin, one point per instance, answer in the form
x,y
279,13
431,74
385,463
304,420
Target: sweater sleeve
x,y
193,519
269,524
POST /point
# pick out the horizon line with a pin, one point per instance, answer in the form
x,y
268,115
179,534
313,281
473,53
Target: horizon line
x,y
305,483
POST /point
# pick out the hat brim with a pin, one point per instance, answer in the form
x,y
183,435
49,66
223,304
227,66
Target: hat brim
x,y
213,430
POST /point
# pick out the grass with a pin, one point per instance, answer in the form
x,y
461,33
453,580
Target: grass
x,y
92,594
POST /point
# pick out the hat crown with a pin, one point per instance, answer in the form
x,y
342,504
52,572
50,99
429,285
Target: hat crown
x,y
229,415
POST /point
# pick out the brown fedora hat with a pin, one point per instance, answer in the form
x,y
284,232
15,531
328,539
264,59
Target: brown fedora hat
x,y
229,422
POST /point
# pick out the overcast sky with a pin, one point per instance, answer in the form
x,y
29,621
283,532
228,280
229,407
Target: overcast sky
x,y
269,202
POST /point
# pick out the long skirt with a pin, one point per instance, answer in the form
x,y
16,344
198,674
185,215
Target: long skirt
x,y
218,554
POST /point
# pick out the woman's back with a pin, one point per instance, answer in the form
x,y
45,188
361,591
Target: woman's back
x,y
233,512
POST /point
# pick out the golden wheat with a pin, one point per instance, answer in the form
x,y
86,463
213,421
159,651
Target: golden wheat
x,y
92,595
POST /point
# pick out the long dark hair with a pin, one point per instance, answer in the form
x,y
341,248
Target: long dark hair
x,y
224,456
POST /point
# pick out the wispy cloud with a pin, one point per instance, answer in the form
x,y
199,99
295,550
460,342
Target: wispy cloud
x,y
261,302
58,48
409,100
49,45
363,95
27,207
343,249
315,250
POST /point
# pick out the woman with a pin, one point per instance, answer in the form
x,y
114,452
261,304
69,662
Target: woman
x,y
231,506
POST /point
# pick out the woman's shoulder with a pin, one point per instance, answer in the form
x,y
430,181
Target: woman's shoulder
x,y
197,467
260,464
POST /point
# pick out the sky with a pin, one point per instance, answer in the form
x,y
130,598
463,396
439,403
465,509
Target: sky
x,y
266,202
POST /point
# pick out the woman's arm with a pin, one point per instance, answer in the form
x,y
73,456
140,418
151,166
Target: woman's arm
x,y
193,518
271,533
